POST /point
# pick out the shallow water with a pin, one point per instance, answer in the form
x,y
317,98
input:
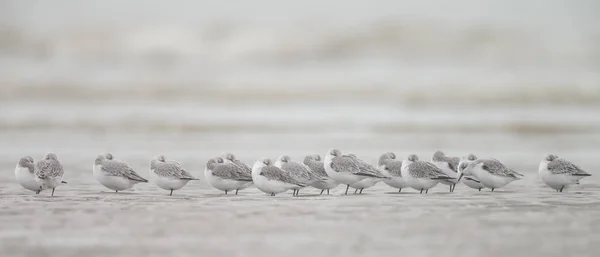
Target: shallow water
x,y
523,219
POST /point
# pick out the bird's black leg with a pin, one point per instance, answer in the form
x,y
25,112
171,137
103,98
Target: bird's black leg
x,y
492,189
480,189
225,191
355,190
450,188
327,191
236,191
399,190
421,191
38,192
116,191
171,194
361,191
322,191
561,189
54,188
347,186
427,191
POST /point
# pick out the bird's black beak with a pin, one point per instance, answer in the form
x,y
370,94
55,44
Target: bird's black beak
x,y
459,177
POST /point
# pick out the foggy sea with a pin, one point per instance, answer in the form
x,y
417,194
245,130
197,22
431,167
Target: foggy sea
x,y
512,80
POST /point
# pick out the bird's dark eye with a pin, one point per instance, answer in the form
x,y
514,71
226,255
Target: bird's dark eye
x,y
484,167
331,165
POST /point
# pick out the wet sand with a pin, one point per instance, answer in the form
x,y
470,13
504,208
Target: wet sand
x,y
84,219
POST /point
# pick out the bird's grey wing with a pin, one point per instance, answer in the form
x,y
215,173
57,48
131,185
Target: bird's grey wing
x,y
560,166
421,169
297,171
495,167
48,169
184,173
243,166
368,170
231,171
121,169
318,168
394,168
274,173
344,164
169,170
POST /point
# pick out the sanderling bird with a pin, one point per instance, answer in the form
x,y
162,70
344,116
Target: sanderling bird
x,y
491,173
48,172
344,169
229,157
390,167
226,176
24,172
448,165
421,175
324,182
299,171
168,175
115,175
367,169
558,173
271,179
469,181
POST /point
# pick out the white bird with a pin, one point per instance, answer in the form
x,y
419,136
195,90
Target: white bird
x,y
271,179
316,165
115,175
558,173
226,176
24,172
168,175
369,169
421,175
299,171
469,181
491,173
392,168
345,169
448,165
230,158
48,172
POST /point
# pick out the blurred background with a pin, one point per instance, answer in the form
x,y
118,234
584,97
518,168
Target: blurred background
x,y
503,77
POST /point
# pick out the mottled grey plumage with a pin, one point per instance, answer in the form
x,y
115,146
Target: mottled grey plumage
x,y
27,162
118,168
560,166
344,164
365,168
49,167
170,169
245,168
274,173
495,167
230,171
421,169
439,156
316,165
385,158
394,167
